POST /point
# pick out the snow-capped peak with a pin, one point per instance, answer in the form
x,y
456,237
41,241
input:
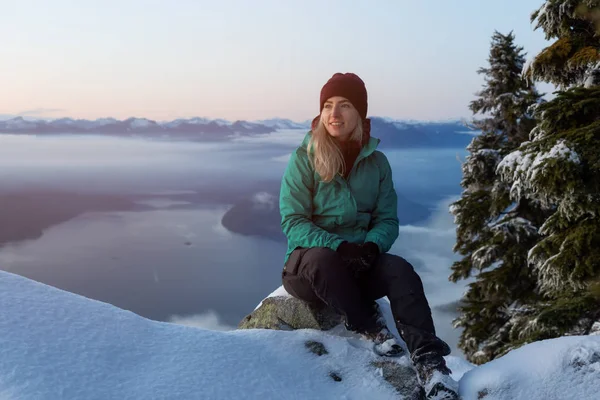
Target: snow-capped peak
x,y
283,123
140,122
19,123
103,121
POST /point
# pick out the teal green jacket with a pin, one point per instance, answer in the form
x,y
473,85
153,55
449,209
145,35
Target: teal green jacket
x,y
359,209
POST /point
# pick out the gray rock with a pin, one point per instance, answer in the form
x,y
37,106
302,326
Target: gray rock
x,y
335,376
402,377
316,347
289,313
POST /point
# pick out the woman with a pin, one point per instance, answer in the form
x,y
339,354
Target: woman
x,y
339,214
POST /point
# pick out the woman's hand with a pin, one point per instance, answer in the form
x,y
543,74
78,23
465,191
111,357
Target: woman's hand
x,y
370,253
359,257
350,251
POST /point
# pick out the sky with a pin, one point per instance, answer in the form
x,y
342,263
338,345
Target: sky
x,y
249,60
49,336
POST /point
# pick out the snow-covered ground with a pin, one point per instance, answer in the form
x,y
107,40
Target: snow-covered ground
x,y
58,345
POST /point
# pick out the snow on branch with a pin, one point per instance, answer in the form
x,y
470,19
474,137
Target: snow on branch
x,y
521,168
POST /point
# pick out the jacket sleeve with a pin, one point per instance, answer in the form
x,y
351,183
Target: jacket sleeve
x,y
383,229
295,205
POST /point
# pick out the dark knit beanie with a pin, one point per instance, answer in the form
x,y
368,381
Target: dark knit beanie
x,y
346,85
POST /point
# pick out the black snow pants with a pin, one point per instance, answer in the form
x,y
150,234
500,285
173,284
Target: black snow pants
x,y
318,275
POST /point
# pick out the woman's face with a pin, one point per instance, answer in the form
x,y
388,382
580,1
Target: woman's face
x,y
339,117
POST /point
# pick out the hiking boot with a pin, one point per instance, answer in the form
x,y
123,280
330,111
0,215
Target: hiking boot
x,y
384,343
434,377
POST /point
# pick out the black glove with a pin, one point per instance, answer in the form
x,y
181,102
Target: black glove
x,y
370,253
353,255
350,251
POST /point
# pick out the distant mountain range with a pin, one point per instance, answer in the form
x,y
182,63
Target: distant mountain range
x,y
393,133
144,125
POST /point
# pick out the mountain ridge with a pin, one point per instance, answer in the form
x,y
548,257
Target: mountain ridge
x,y
393,133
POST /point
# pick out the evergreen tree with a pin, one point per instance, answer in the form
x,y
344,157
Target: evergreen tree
x,y
493,232
573,58
559,169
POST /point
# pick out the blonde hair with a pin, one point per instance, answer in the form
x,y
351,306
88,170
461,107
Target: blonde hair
x,y
324,155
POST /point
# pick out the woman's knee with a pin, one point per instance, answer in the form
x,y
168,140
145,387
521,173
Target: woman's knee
x,y
399,277
315,260
324,260
396,265
321,255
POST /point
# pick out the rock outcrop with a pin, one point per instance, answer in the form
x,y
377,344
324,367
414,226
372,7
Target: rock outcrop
x,y
289,313
280,311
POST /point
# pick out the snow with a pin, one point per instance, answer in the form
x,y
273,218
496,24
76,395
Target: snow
x,y
521,168
246,125
103,121
191,121
521,228
222,122
403,124
55,344
592,77
560,150
19,123
198,121
283,123
488,152
484,256
207,320
564,368
544,14
527,65
66,121
280,125
140,123
589,81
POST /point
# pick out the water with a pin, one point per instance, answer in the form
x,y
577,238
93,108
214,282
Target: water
x,y
155,263
170,259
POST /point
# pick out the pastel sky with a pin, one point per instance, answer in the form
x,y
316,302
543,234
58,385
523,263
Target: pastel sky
x,y
238,59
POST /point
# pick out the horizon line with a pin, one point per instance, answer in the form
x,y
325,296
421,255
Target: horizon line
x,y
8,117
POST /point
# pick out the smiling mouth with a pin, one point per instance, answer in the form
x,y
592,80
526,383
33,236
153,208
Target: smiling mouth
x,y
337,124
